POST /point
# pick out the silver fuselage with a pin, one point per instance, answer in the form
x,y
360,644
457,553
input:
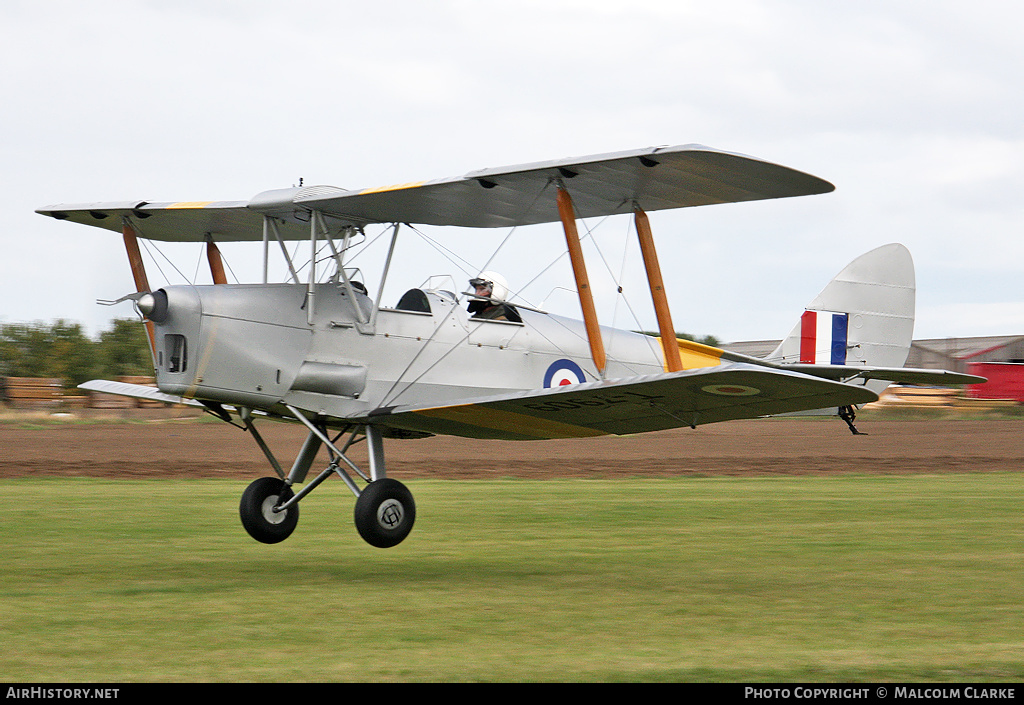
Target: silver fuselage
x,y
262,346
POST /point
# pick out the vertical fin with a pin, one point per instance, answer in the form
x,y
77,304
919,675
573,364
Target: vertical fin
x,y
865,316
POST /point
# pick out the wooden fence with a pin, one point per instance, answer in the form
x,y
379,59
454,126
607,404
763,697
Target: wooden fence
x,y
896,397
49,393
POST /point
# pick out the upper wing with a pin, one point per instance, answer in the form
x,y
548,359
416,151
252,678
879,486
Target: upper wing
x,y
607,184
188,221
633,405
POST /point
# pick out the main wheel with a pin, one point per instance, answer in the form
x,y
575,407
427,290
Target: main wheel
x,y
384,513
257,510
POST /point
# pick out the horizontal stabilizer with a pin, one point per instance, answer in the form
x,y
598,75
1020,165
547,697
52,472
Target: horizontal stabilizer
x,y
895,375
626,406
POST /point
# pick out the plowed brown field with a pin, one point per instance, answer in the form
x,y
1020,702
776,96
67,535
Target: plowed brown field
x,y
183,447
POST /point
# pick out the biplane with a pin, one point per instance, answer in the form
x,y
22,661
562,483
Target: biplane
x,y
320,351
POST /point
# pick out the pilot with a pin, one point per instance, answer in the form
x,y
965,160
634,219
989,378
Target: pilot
x,y
492,290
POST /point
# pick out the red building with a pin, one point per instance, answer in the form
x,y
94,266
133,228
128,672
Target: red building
x,y
1000,359
1005,380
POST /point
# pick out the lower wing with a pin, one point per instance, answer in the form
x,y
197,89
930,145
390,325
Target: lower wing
x,y
630,405
737,390
135,391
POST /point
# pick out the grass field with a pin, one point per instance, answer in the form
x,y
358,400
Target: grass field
x,y
850,578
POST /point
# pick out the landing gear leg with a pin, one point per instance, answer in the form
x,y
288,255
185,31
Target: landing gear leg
x,y
384,511
848,414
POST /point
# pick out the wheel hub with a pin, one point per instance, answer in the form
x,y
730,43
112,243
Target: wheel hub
x,y
269,514
390,514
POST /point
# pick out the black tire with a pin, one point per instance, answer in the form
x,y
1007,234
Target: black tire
x,y
385,513
255,509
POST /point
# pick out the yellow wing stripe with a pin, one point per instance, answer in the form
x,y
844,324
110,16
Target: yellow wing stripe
x,y
393,187
190,204
511,422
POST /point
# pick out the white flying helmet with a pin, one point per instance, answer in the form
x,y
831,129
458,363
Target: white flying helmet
x,y
497,283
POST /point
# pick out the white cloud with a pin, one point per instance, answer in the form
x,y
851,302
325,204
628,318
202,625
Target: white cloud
x,y
912,109
964,320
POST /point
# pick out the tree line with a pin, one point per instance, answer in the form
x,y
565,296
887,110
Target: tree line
x,y
63,350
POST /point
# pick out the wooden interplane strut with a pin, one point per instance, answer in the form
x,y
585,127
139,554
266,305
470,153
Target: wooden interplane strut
x,y
216,263
567,213
131,245
673,362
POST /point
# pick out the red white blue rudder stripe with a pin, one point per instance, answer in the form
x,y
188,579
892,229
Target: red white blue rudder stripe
x,y
824,337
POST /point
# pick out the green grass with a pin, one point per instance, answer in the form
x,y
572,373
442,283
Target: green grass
x,y
954,413
782,579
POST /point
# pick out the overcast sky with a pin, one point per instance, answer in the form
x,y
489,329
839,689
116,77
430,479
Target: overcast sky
x,y
914,110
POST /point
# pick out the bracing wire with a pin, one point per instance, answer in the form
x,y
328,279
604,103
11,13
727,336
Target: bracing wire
x,y
147,244
487,264
446,253
616,280
365,244
392,395
472,271
228,265
199,263
622,276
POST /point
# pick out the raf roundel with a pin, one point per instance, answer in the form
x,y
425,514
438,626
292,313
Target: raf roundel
x,y
563,372
731,390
